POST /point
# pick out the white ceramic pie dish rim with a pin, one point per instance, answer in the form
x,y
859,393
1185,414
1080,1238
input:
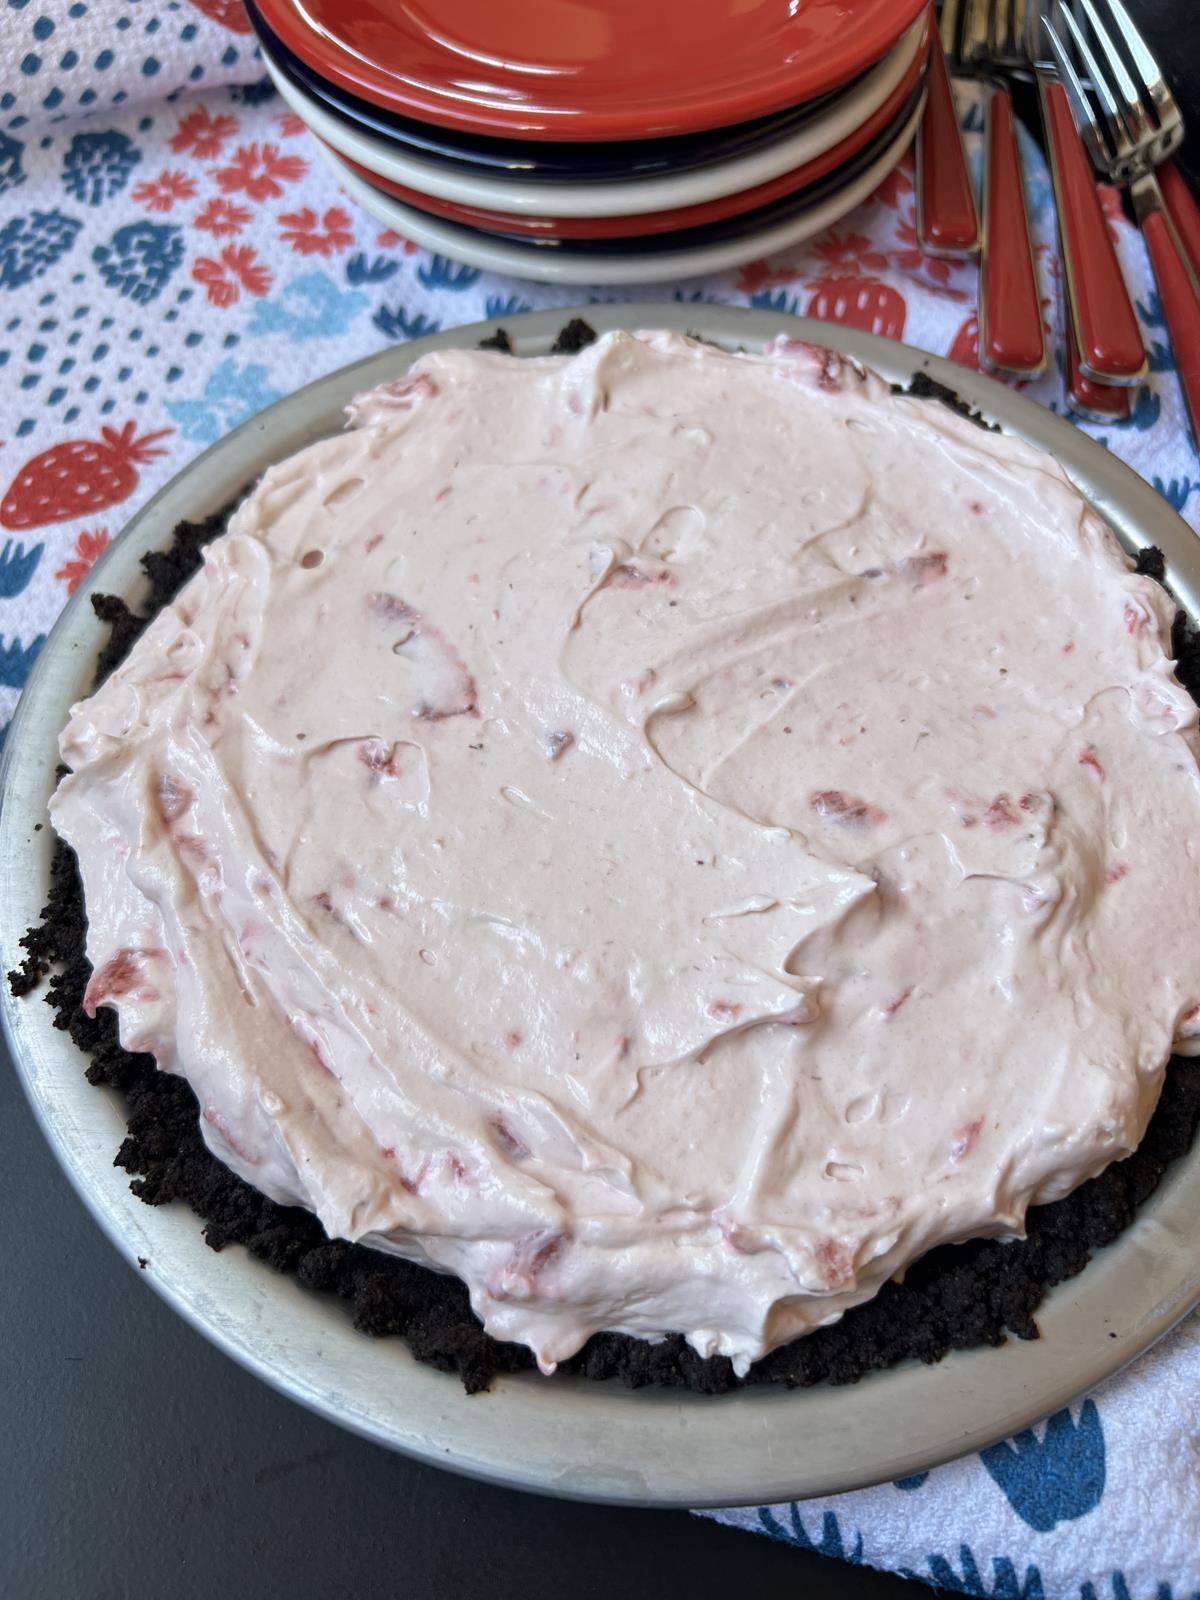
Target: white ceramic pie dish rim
x,y
613,199
570,1437
531,262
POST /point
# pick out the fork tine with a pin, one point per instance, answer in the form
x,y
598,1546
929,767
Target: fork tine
x,y
1152,79
1132,111
1076,93
1085,117
1016,40
1110,105
973,32
995,44
948,29
1031,30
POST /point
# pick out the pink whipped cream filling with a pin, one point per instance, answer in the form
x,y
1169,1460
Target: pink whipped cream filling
x,y
667,836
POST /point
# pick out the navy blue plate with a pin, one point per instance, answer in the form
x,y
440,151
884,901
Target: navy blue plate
x,y
538,160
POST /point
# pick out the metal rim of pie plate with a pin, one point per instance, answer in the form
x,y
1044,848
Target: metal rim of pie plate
x,y
573,1437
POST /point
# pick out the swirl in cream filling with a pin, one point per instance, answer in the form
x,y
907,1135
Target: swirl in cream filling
x,y
667,836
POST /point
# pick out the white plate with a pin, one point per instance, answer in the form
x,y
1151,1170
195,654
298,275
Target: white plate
x,y
563,1436
568,266
631,198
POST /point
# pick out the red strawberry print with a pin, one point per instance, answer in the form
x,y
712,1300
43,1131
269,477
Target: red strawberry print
x,y
965,349
859,303
309,237
89,547
1048,266
202,135
934,269
225,279
222,217
230,14
260,172
161,193
854,301
849,250
897,186
389,239
78,478
756,275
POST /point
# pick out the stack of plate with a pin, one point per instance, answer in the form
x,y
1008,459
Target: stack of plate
x,y
603,141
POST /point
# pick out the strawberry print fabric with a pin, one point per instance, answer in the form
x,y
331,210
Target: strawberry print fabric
x,y
174,257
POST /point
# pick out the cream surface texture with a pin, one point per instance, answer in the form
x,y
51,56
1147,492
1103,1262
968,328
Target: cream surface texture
x,y
664,835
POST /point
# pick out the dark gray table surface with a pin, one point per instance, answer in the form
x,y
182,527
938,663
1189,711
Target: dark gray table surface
x,y
1172,29
136,1460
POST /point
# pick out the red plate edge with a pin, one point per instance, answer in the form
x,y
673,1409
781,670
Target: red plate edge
x,y
814,45
655,221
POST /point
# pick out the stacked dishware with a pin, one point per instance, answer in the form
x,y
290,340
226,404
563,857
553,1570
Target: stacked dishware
x,y
613,144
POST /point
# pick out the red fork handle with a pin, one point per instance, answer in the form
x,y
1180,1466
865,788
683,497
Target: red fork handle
x,y
1098,402
947,221
1011,337
1181,307
1102,316
1184,210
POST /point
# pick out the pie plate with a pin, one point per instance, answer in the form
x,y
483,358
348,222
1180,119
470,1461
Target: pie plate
x,y
567,1436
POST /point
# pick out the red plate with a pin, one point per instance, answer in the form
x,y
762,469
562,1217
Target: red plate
x,y
657,221
588,69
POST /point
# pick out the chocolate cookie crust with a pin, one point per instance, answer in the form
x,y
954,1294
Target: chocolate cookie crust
x,y
956,1297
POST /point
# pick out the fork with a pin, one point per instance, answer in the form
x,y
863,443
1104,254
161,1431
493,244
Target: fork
x,y
1103,326
1135,129
947,221
1011,336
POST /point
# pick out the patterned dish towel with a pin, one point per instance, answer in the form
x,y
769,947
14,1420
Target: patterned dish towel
x,y
173,257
